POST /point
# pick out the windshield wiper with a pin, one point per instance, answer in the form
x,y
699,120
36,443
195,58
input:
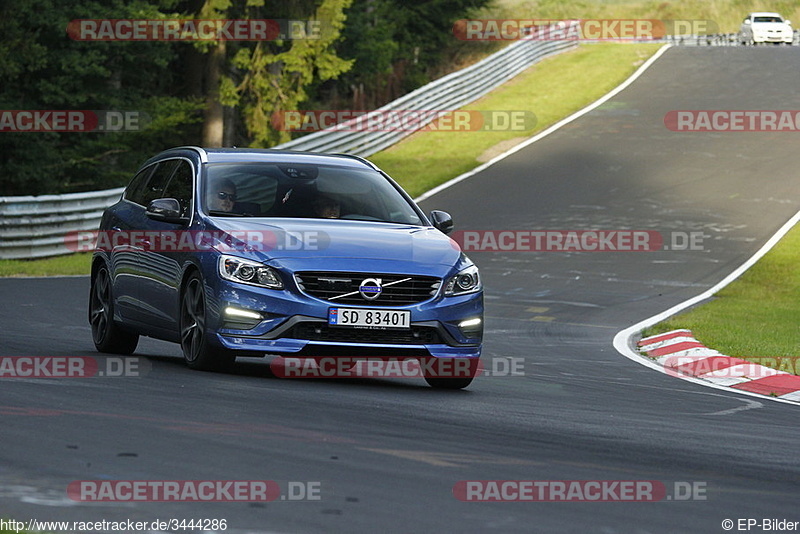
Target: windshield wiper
x,y
218,213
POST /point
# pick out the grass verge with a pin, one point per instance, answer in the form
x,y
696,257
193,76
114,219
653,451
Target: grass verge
x,y
71,264
553,89
756,317
725,15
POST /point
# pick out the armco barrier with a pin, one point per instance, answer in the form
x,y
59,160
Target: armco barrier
x,y
36,227
446,93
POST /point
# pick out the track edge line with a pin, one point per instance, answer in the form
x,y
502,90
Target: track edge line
x,y
623,340
563,122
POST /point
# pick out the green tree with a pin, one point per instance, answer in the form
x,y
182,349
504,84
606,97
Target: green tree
x,y
43,69
397,45
274,76
211,93
369,40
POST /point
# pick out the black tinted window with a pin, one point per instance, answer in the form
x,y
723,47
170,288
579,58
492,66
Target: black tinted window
x,y
135,189
158,181
180,187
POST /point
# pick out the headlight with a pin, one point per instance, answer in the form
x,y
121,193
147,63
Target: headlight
x,y
466,281
248,272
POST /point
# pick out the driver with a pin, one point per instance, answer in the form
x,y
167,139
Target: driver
x,y
222,195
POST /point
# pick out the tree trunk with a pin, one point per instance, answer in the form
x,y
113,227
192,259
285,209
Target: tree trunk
x,y
214,117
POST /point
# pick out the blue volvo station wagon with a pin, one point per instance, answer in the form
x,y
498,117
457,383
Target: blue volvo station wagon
x,y
263,252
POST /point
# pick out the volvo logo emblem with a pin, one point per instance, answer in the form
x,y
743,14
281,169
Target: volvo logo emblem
x,y
370,288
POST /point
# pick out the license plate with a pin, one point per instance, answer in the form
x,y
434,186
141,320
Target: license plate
x,y
367,318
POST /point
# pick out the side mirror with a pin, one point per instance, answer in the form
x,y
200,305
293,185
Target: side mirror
x,y
166,210
442,221
787,22
746,21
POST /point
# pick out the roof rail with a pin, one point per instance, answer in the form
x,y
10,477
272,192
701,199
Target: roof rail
x,y
358,158
199,150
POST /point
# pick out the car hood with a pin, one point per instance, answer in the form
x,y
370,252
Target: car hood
x,y
312,244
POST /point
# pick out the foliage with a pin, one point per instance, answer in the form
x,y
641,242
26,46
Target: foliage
x,y
370,52
43,69
275,75
397,45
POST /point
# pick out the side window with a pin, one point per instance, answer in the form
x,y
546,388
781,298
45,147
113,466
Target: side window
x,y
135,189
181,187
158,181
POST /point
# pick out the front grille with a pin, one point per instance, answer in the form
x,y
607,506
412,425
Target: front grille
x,y
416,335
343,288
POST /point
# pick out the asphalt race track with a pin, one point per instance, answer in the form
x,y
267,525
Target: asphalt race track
x,y
387,453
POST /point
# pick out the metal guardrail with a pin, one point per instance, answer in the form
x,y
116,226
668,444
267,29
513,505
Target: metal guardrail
x,y
36,227
40,226
447,93
717,39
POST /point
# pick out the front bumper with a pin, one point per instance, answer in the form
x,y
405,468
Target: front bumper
x,y
296,324
773,38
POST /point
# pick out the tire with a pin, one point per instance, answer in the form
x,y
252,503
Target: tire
x,y
198,353
107,336
459,382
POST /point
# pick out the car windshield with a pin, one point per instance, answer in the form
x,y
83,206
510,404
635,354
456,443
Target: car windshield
x,y
767,19
303,190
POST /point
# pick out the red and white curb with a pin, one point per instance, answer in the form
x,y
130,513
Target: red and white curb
x,y
740,375
680,354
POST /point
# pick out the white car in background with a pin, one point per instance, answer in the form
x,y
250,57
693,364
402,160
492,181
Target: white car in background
x,y
764,27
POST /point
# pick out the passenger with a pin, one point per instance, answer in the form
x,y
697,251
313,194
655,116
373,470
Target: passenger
x,y
326,207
